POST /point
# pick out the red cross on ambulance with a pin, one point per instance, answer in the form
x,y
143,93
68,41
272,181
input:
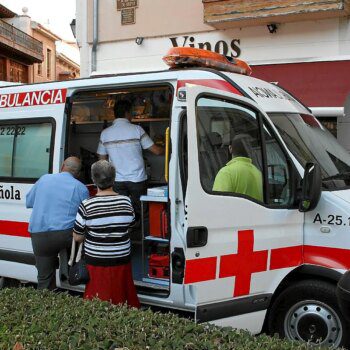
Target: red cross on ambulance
x,y
244,263
240,265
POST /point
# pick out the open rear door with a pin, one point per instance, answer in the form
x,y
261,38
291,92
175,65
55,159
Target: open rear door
x,y
230,236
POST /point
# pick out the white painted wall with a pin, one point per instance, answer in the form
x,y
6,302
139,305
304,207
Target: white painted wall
x,y
82,37
294,42
22,23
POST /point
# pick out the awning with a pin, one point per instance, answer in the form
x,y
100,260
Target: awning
x,y
316,84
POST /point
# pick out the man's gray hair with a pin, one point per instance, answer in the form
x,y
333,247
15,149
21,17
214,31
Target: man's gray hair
x,y
103,174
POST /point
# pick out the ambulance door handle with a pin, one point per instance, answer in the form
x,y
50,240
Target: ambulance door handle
x,y
197,237
325,229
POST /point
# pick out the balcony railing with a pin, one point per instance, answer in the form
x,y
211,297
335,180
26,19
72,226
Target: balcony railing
x,y
238,13
21,42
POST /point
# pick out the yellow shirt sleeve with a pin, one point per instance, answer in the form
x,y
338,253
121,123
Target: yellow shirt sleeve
x,y
223,181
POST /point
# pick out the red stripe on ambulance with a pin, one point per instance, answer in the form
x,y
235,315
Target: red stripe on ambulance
x,y
286,257
33,98
199,270
211,83
14,228
335,258
246,261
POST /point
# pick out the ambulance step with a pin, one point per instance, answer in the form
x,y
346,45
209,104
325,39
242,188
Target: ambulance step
x,y
156,239
153,283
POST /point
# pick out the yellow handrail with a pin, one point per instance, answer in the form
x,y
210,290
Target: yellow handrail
x,y
167,144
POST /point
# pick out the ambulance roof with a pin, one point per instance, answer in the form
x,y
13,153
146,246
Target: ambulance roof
x,y
7,83
269,97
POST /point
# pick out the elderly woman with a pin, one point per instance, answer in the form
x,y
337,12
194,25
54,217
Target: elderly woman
x,y
102,223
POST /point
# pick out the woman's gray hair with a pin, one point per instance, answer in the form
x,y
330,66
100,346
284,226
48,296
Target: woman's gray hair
x,y
103,174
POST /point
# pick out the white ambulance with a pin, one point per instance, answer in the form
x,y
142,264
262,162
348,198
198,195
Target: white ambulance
x,y
263,265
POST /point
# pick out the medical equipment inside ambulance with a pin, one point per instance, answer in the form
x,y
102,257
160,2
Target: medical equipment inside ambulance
x,y
92,112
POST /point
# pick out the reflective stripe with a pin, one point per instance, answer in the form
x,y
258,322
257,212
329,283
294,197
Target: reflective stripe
x,y
120,142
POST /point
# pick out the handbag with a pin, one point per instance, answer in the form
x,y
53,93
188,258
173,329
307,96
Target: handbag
x,y
78,272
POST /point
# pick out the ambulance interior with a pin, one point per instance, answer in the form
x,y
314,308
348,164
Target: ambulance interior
x,y
93,111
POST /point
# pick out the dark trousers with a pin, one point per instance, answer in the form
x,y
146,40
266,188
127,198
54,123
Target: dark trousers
x,y
46,246
134,190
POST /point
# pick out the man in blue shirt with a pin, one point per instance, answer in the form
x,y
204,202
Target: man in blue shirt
x,y
55,199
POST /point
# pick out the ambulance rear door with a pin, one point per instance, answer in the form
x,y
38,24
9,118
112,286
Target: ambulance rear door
x,y
238,246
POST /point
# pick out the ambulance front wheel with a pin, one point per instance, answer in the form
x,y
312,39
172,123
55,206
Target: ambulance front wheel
x,y
308,311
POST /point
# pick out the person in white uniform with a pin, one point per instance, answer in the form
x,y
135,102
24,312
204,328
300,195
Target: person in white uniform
x,y
122,143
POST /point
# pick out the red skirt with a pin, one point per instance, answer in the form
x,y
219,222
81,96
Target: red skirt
x,y
112,283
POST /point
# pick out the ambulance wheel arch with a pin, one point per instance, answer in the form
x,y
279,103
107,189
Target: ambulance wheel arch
x,y
307,310
301,273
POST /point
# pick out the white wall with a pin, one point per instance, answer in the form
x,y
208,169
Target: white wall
x,y
308,41
22,23
294,42
82,37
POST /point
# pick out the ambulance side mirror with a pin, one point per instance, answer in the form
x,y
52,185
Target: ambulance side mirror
x,y
312,187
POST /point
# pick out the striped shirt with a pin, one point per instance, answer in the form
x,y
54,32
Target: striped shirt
x,y
104,220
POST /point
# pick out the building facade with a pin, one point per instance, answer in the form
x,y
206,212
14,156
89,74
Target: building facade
x,y
66,69
303,46
28,51
45,70
18,50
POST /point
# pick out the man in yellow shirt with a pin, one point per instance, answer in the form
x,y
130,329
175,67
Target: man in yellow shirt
x,y
240,175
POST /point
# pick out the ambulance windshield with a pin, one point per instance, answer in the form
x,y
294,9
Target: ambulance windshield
x,y
310,141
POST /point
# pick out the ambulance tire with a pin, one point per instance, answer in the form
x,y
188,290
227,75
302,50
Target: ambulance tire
x,y
308,310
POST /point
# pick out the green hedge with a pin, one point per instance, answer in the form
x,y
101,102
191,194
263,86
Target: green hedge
x,y
43,320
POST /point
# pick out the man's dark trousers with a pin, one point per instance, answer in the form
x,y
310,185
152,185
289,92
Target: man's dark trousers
x,y
46,246
135,190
